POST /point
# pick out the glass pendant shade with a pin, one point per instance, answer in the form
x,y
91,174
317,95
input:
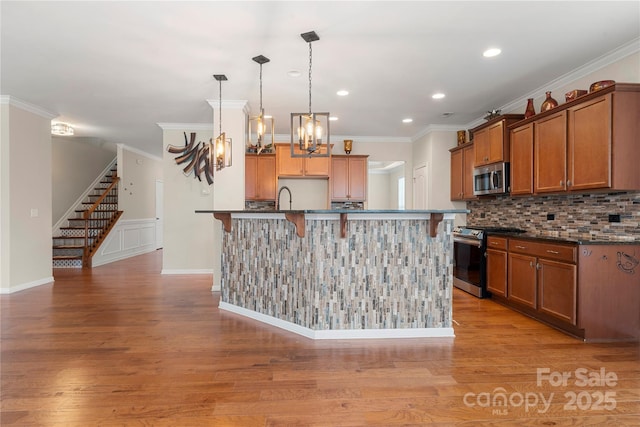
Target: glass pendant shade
x,y
223,151
310,133
261,133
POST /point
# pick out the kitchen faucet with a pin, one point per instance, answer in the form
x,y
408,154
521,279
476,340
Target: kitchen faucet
x,y
284,187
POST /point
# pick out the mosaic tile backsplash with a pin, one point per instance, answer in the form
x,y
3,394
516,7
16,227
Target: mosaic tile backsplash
x,y
584,216
384,274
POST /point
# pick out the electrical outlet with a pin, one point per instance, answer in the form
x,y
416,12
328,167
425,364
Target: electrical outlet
x,y
614,217
551,217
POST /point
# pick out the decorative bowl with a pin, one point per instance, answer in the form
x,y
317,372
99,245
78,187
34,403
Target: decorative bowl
x,y
601,85
576,93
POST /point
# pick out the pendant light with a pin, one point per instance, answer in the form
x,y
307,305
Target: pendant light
x,y
261,127
309,131
222,145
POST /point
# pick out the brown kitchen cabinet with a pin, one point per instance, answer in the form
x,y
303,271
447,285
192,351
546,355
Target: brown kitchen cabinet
x,y
543,276
497,265
260,177
583,145
462,162
550,153
522,160
491,139
299,167
349,178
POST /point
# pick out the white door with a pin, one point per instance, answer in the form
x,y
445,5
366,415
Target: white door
x,y
159,214
420,187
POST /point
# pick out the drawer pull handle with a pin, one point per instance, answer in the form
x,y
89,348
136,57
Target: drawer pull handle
x,y
552,252
520,247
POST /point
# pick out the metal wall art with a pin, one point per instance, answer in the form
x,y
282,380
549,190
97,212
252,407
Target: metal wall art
x,y
199,158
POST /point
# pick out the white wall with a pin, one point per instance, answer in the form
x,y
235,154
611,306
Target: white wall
x,y
378,191
138,175
26,249
192,242
76,163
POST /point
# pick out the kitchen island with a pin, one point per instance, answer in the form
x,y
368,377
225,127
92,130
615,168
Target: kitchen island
x,y
333,274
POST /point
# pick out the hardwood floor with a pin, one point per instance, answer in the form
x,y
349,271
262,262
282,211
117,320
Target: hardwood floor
x,y
122,344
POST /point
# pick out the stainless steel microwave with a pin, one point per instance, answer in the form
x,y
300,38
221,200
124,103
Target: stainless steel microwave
x,y
491,179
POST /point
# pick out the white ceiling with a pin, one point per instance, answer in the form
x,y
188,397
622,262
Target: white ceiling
x,y
115,69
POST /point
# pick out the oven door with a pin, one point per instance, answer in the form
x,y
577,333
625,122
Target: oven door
x,y
469,266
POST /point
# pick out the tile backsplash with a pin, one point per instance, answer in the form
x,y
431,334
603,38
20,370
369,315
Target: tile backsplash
x,y
584,216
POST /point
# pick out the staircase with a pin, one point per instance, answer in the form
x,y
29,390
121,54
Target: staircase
x,y
76,243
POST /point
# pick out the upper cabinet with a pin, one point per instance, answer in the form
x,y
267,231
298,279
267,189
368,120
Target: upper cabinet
x,y
462,163
349,178
300,167
260,177
586,144
491,139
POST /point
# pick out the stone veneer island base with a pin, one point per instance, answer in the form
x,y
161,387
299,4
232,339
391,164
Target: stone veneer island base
x,y
340,274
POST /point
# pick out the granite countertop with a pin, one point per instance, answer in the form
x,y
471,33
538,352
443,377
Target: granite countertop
x,y
338,211
579,240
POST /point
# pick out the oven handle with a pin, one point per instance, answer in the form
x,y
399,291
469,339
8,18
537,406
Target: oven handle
x,y
472,242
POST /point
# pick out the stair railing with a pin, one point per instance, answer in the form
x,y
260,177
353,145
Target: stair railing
x,y
102,221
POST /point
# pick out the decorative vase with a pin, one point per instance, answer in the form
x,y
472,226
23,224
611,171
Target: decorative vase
x,y
348,143
530,110
548,103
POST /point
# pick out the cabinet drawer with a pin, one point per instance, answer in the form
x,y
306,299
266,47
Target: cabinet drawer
x,y
544,250
495,242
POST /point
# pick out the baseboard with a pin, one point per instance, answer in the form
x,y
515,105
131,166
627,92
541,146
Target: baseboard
x,y
27,285
340,334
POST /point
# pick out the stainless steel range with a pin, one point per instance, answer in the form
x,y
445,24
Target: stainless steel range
x,y
469,255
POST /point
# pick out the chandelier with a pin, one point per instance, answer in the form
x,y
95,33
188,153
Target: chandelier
x,y
261,127
309,131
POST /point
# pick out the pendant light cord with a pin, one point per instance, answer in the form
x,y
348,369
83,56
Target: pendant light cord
x,y
220,107
260,89
310,63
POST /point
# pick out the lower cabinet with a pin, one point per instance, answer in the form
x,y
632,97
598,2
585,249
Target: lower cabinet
x,y
542,276
497,265
589,291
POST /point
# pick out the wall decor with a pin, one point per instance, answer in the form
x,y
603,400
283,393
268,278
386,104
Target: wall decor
x,y
198,157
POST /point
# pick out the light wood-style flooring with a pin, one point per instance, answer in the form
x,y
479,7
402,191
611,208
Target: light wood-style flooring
x,y
123,345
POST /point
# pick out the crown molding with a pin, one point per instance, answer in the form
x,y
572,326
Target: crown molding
x,y
186,126
26,106
238,104
435,128
137,151
590,67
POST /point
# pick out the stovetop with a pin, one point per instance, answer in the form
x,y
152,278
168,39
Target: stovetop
x,y
478,232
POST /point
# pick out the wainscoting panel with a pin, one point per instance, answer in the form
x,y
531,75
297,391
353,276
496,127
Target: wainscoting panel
x,y
128,238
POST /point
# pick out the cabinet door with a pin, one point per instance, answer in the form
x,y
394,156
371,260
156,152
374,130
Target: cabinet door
x,y
550,146
497,272
266,177
481,147
250,177
457,165
357,179
496,142
318,166
522,279
287,165
557,294
522,160
589,143
339,178
467,172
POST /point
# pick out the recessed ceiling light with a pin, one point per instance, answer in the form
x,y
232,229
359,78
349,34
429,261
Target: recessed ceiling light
x,y
407,120
333,118
294,73
342,92
438,95
490,53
